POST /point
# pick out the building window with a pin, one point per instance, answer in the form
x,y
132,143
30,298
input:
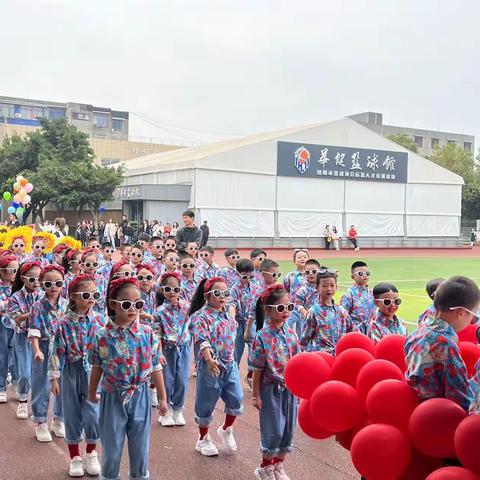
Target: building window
x,y
56,113
435,143
109,161
450,141
6,110
467,146
80,116
418,141
100,120
118,125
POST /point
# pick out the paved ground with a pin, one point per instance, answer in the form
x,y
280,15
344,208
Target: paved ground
x,y
172,452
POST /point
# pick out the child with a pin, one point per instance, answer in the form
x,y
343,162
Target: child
x,y
126,357
172,325
38,251
192,250
431,288
58,253
122,269
171,261
71,344
156,249
272,348
229,273
257,256
326,322
145,277
296,279
43,323
384,321
8,270
89,264
207,268
71,265
136,255
171,243
144,242
358,300
94,244
125,251
189,284
18,249
214,330
24,294
435,368
107,251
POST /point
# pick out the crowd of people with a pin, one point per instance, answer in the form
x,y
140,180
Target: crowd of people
x,y
333,239
112,338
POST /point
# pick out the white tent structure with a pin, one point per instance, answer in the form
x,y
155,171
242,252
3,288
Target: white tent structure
x,y
241,188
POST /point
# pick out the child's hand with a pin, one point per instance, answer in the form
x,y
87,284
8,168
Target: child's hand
x,y
163,407
213,368
247,337
163,360
55,387
94,398
257,403
39,356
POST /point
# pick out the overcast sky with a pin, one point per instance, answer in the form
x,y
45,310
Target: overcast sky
x,y
239,67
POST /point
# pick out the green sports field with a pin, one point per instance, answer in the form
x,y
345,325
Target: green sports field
x,y
408,274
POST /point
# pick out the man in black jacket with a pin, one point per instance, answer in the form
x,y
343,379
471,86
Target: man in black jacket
x,y
188,233
205,233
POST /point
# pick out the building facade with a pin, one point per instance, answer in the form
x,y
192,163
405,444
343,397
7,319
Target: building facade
x,y
426,140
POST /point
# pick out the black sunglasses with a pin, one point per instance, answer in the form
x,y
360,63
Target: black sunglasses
x,y
127,304
48,284
39,247
188,265
248,277
138,255
18,245
90,264
171,289
234,257
219,293
311,272
172,259
148,278
361,274
387,302
280,308
31,280
88,295
159,247
204,255
274,275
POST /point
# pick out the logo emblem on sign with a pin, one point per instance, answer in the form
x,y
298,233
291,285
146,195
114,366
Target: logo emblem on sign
x,y
302,159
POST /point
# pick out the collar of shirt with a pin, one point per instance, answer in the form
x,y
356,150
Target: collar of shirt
x,y
440,326
381,318
75,317
172,306
211,311
276,330
114,329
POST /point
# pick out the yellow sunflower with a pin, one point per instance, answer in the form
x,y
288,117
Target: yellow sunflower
x,y
25,233
70,242
48,238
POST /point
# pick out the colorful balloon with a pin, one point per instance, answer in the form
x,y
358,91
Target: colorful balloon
x,y
391,348
452,473
470,353
15,205
7,196
20,211
349,363
326,356
27,199
11,209
23,182
374,372
355,340
28,187
466,441
420,466
308,424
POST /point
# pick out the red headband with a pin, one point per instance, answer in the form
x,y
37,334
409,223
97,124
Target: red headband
x,y
119,283
87,251
118,266
71,253
28,265
168,275
269,290
6,258
211,281
60,248
78,279
51,268
147,267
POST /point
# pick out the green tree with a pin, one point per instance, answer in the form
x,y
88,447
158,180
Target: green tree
x,y
404,140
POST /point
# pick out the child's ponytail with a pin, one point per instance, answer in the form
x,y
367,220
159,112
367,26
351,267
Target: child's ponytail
x,y
270,296
198,299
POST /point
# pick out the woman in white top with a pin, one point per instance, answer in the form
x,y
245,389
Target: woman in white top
x,y
110,232
335,238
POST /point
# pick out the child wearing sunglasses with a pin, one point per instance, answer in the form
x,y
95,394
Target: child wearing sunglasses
x,y
122,269
146,281
192,250
125,250
144,242
189,283
126,357
18,249
296,279
8,270
38,252
326,322
229,273
208,268
156,249
89,265
431,288
272,348
43,324
72,267
435,368
136,255
214,330
24,293
385,321
69,370
106,267
257,256
171,243
358,300
172,326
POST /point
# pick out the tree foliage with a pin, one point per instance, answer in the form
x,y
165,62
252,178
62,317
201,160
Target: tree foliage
x,y
59,162
404,140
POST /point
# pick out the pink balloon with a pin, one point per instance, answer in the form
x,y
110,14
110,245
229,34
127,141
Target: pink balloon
x,y
28,187
27,199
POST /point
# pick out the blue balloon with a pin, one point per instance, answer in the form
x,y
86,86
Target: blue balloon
x,y
11,210
15,205
102,209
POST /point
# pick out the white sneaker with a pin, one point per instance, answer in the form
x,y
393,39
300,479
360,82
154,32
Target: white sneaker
x,y
3,397
92,465
206,447
167,420
229,444
22,411
178,418
76,467
58,428
154,397
265,473
279,472
42,433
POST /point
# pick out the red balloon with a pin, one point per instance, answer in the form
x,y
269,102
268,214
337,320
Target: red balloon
x,y
355,340
380,452
305,372
467,440
307,423
391,402
336,406
452,473
432,427
345,438
375,372
391,348
349,363
468,334
326,356
471,354
420,466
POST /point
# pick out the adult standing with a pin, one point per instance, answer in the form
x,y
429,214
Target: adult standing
x,y
110,231
144,228
335,238
327,233
13,221
59,227
352,236
188,233
205,233
101,232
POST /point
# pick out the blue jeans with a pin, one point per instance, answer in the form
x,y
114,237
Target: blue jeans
x,y
22,352
175,374
41,388
240,342
210,389
278,417
7,363
80,414
119,420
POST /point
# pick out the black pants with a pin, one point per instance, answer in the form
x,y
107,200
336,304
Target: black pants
x,y
354,242
327,243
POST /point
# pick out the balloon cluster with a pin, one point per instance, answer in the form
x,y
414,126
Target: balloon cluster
x,y
21,198
361,396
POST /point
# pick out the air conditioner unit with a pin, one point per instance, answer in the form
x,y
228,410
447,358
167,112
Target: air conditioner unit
x,y
17,115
